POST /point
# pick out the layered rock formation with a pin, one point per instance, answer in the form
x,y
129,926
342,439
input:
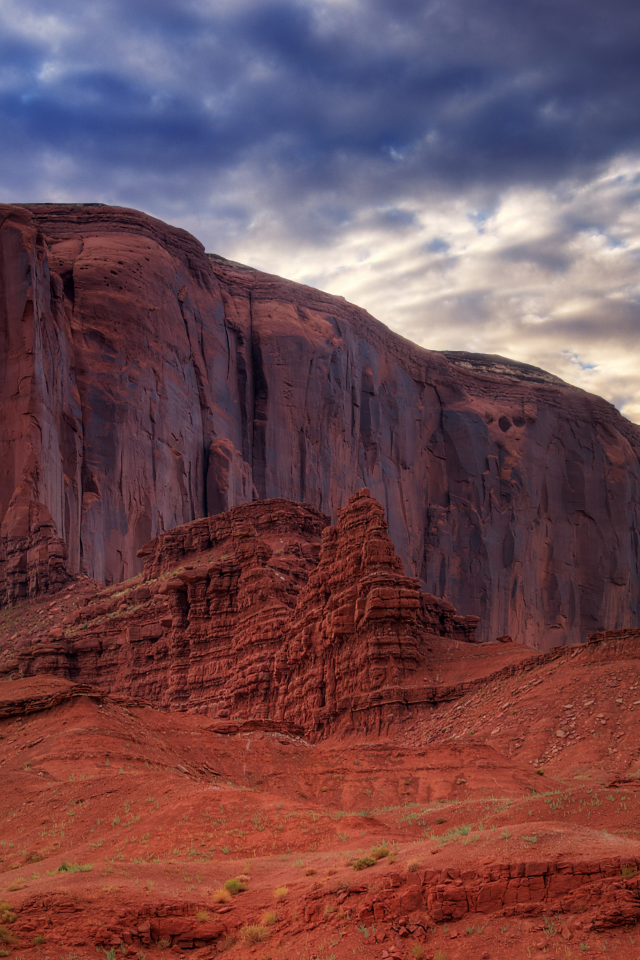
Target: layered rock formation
x,y
265,612
146,384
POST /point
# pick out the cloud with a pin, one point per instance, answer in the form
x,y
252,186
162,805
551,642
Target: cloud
x,y
466,170
522,281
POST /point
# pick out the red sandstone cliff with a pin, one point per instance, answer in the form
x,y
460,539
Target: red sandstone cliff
x,y
145,384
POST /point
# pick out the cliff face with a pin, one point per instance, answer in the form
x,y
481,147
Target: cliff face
x,y
147,384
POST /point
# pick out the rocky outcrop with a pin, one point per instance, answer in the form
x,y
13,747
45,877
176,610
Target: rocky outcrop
x,y
146,384
265,612
358,631
606,893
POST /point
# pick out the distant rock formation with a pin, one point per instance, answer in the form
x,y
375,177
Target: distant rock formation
x,y
146,384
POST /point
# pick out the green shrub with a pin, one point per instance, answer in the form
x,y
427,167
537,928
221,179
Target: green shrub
x,y
235,886
378,853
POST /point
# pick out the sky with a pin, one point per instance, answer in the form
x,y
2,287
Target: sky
x,y
466,170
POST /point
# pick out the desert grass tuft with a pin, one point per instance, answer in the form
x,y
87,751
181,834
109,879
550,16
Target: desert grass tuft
x,y
254,933
7,915
221,896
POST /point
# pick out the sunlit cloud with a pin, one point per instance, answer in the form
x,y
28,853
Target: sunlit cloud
x,y
549,277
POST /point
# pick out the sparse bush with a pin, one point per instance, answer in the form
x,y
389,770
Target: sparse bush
x,y
379,853
629,870
7,915
221,896
6,936
254,933
363,863
163,943
268,918
412,866
66,867
202,916
38,940
440,955
417,952
280,892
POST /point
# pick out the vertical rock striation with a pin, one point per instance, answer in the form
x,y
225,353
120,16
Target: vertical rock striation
x,y
146,384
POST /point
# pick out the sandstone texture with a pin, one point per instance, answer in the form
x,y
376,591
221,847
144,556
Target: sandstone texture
x,y
146,384
268,618
264,612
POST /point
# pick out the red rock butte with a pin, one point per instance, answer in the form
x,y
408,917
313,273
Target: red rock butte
x,y
146,384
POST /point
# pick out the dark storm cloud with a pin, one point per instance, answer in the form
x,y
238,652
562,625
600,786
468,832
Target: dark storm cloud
x,y
455,93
